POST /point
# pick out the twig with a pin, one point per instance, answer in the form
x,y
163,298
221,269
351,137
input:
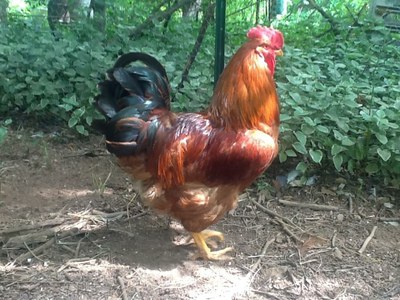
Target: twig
x,y
65,247
157,16
78,248
308,205
288,231
272,213
109,216
33,253
138,215
389,219
90,153
46,223
262,254
123,289
367,240
327,16
31,238
350,205
23,257
333,240
202,32
355,19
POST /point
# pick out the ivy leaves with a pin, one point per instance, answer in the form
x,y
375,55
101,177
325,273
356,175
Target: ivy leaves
x,y
339,111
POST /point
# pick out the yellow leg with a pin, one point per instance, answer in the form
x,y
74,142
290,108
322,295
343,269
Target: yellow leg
x,y
200,238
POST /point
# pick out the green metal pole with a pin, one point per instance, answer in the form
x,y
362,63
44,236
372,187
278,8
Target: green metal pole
x,y
219,39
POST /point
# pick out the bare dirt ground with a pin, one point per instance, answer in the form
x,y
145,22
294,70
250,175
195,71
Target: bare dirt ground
x,y
71,228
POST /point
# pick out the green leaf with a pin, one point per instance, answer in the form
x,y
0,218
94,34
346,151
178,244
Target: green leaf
x,y
338,161
301,167
72,122
290,153
342,124
309,121
296,96
316,155
301,137
282,157
384,154
337,135
382,138
346,141
307,129
372,168
340,66
296,80
43,102
81,130
322,129
89,120
285,117
299,148
379,89
335,149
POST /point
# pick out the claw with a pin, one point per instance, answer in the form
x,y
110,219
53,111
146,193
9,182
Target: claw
x,y
200,238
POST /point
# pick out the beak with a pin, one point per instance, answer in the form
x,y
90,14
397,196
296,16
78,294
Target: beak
x,y
279,52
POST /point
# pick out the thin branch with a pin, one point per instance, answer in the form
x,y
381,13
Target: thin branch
x,y
202,32
308,205
355,18
327,16
367,240
123,289
394,219
272,213
159,16
288,231
262,254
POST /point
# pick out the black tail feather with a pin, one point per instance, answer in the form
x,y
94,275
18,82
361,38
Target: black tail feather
x,y
127,98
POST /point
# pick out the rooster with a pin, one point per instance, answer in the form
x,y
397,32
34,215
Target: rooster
x,y
193,166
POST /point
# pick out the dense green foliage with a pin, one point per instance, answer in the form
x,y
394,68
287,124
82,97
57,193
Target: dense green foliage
x,y
339,89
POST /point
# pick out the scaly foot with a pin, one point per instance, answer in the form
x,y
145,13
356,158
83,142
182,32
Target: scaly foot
x,y
200,238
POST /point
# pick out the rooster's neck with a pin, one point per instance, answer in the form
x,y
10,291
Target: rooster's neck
x,y
245,96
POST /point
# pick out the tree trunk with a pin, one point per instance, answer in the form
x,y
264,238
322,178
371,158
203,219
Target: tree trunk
x,y
3,11
57,12
191,10
99,14
257,11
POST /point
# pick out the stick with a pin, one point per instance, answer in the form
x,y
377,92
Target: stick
x,y
333,240
367,240
157,16
109,216
46,223
122,285
288,231
31,238
261,255
35,252
202,32
389,219
308,205
271,213
350,205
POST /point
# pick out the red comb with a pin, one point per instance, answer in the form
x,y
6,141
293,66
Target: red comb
x,y
274,36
